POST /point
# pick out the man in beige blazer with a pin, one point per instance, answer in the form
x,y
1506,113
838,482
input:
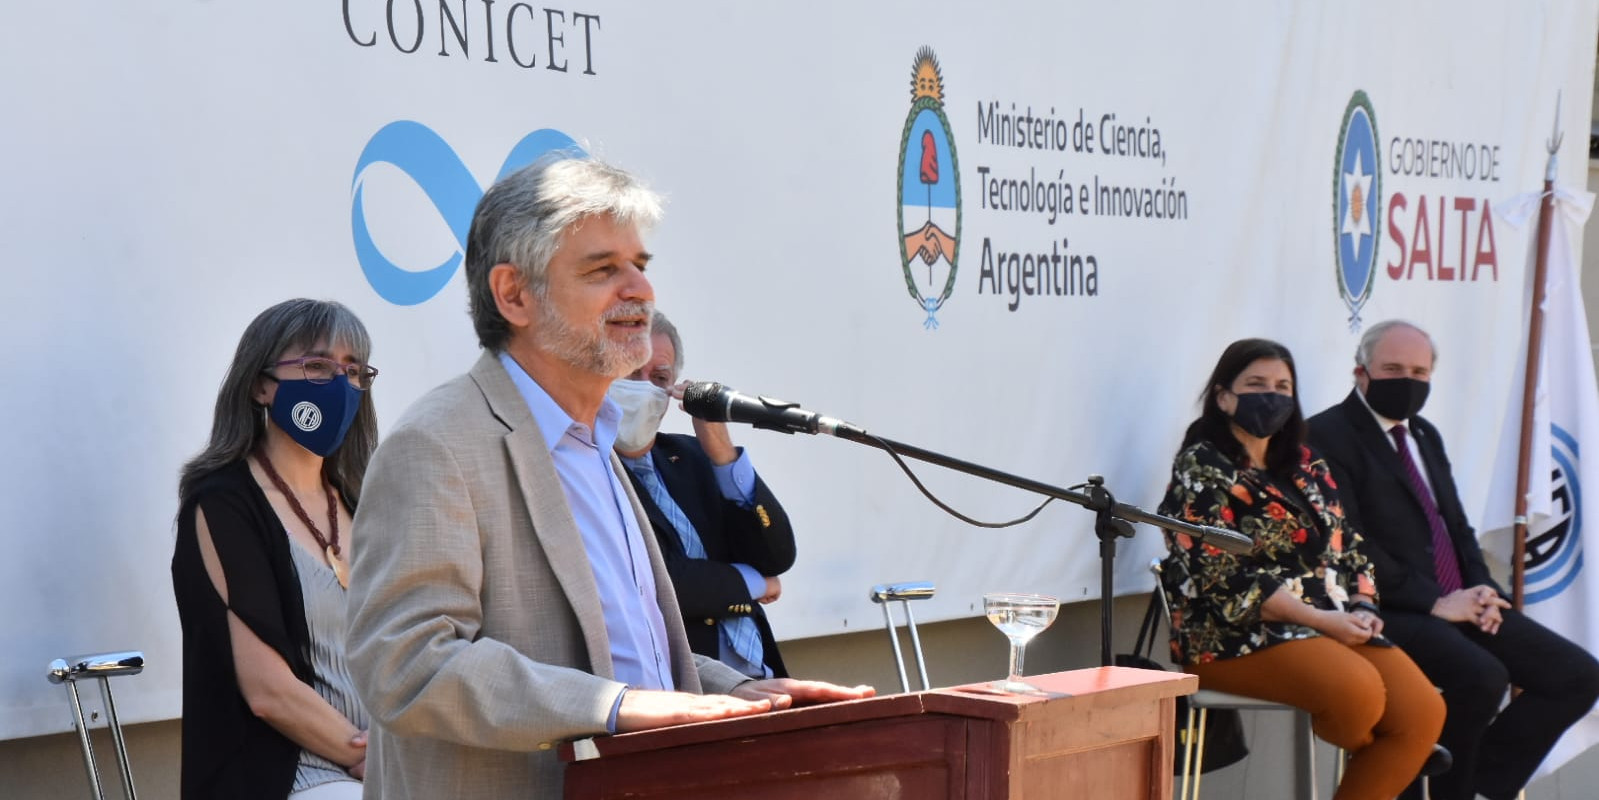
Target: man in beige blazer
x,y
505,594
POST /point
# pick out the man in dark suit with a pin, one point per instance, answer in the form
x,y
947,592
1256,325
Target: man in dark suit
x,y
724,536
1439,602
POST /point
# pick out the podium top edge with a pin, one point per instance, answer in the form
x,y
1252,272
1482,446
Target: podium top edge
x,y
1096,685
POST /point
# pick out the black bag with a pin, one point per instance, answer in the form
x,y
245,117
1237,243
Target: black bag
x,y
1224,727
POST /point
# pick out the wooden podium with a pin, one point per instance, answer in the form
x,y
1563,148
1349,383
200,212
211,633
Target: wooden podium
x,y
1104,733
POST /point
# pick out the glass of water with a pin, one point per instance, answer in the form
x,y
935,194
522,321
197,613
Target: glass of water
x,y
1020,617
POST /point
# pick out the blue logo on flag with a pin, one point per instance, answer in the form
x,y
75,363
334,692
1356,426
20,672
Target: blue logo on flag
x,y
1357,194
1554,554
423,155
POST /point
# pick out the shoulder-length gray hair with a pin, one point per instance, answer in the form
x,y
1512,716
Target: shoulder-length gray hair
x,y
239,426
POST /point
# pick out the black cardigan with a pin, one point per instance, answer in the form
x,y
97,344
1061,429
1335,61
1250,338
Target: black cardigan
x,y
227,750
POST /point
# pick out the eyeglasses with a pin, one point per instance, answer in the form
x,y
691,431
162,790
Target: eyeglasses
x,y
318,369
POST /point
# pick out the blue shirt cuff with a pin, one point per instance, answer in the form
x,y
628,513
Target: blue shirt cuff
x,y
737,480
753,580
616,709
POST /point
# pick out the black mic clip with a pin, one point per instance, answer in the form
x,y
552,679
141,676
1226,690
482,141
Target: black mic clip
x,y
777,407
1107,525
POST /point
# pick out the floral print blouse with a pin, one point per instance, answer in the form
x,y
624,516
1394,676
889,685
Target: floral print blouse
x,y
1301,544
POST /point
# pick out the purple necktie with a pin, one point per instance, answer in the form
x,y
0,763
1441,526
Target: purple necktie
x,y
1444,562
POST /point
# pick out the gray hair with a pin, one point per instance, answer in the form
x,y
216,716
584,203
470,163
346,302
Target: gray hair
x,y
521,218
1374,334
238,425
659,324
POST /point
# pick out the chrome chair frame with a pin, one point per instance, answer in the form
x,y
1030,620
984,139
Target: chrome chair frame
x,y
101,667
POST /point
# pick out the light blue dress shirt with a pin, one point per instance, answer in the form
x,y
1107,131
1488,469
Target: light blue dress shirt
x,y
639,648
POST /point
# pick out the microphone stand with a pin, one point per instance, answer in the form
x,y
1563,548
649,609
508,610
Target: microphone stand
x,y
1111,518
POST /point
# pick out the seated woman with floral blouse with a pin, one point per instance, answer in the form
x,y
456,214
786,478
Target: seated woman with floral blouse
x,y
1292,621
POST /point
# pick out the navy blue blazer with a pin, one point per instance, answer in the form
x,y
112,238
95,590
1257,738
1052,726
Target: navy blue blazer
x,y
711,589
1380,504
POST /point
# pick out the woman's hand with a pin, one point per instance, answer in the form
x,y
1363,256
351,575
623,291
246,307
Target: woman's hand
x,y
1345,628
1342,627
1372,620
358,769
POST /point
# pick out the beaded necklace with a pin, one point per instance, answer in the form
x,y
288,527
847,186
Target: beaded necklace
x,y
329,544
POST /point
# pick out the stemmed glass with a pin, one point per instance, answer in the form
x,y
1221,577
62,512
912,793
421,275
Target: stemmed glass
x,y
1020,617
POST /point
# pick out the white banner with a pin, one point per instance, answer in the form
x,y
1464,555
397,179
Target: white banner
x,y
1090,202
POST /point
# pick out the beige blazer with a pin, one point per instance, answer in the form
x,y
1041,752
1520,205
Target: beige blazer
x,y
476,638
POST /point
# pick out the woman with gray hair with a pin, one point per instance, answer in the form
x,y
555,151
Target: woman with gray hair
x,y
259,570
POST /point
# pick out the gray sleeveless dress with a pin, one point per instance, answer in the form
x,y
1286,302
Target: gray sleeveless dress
x,y
324,618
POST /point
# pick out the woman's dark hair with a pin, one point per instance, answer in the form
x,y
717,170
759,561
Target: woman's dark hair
x,y
239,425
1215,427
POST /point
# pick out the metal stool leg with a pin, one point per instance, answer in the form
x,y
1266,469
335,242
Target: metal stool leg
x,y
103,667
117,741
916,642
883,594
82,724
893,639
1304,756
1189,790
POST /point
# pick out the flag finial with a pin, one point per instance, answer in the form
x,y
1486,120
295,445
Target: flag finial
x,y
1553,142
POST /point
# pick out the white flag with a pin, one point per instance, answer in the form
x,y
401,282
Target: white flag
x,y
1561,589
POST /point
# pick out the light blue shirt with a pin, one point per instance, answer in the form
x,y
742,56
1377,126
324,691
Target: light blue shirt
x,y
737,480
639,651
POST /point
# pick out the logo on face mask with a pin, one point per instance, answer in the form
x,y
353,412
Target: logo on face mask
x,y
300,407
306,416
424,157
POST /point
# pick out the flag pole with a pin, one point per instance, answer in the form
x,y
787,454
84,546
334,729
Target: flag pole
x,y
1529,395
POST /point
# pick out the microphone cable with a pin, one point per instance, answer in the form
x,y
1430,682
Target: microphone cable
x,y
945,507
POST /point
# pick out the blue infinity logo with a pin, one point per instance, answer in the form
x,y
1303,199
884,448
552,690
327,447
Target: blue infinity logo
x,y
423,155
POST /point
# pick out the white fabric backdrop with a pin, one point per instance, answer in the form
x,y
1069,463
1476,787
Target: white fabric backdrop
x,y
171,170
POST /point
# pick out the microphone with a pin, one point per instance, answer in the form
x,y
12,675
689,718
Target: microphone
x,y
714,402
1225,540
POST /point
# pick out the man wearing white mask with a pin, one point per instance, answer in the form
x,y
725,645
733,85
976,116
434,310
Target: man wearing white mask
x,y
724,536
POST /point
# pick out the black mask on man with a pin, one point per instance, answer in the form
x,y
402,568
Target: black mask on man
x,y
1396,398
1263,414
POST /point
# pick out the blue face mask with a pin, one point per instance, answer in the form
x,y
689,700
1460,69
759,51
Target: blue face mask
x,y
316,415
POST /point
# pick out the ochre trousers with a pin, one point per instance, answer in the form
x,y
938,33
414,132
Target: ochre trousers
x,y
1374,702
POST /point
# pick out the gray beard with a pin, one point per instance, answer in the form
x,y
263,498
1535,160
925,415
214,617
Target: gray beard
x,y
590,350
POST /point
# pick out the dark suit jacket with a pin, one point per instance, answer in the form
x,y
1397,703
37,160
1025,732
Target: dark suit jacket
x,y
711,589
1380,504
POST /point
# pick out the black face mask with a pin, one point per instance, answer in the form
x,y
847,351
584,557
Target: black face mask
x,y
1396,398
1263,414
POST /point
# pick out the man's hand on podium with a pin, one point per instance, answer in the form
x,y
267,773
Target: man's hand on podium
x,y
786,692
643,709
